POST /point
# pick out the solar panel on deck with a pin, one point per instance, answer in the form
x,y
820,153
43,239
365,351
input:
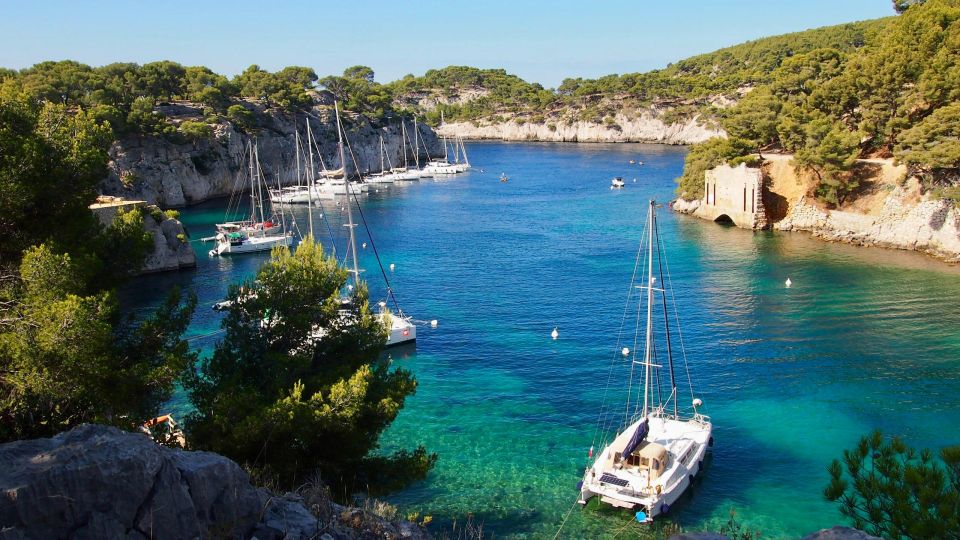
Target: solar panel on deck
x,y
608,478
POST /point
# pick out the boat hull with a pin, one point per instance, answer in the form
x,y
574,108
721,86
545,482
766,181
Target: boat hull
x,y
687,443
250,245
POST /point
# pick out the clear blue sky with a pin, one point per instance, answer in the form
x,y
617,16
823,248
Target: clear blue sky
x,y
539,41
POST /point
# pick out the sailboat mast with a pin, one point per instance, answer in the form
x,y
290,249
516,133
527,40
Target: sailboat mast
x,y
403,141
666,327
253,197
346,185
256,153
382,153
646,354
463,149
310,176
416,143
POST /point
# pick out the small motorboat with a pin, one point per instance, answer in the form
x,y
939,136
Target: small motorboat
x,y
504,177
617,183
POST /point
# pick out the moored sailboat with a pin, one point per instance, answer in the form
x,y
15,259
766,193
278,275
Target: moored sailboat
x,y
259,233
654,455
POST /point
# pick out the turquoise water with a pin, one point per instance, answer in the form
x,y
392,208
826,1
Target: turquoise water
x,y
865,338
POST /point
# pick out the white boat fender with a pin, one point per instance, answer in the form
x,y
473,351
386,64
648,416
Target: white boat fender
x,y
554,334
697,402
590,453
433,323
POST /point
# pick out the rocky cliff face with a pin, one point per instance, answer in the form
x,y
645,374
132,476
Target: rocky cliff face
x,y
890,212
646,127
172,174
928,226
100,482
171,248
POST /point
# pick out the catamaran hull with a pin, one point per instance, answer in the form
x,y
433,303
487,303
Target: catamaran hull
x,y
653,499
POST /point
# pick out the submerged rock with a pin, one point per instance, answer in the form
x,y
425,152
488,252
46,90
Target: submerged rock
x,y
839,533
101,482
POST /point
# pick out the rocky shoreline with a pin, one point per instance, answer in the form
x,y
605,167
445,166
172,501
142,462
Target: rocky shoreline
x,y
647,127
892,212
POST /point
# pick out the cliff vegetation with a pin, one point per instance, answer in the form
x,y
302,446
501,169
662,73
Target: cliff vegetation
x,y
895,95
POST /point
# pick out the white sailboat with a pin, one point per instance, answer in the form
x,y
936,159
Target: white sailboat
x,y
404,173
305,192
460,149
654,455
401,328
385,176
251,238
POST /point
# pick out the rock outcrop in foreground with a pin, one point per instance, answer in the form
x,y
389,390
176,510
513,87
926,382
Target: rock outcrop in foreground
x,y
101,482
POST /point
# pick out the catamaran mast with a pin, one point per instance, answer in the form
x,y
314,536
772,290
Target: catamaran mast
x,y
666,327
346,185
646,354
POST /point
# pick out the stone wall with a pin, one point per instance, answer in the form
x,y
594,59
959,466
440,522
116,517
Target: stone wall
x,y
732,193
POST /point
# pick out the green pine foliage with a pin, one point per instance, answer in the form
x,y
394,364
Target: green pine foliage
x,y
892,491
894,94
276,396
68,357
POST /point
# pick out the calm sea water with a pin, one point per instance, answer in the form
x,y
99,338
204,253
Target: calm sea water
x,y
865,338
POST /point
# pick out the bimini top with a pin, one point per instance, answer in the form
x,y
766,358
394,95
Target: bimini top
x,y
652,450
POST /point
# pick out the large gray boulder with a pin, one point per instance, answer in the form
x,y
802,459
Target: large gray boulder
x,y
101,482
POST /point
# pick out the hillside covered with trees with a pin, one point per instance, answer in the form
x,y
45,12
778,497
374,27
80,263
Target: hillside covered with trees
x,y
896,95
686,88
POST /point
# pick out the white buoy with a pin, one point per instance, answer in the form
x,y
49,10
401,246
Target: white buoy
x,y
625,351
433,323
392,267
382,304
788,283
697,402
554,334
364,245
349,287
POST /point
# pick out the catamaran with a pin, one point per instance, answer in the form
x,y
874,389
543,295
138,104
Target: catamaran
x,y
653,456
261,234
